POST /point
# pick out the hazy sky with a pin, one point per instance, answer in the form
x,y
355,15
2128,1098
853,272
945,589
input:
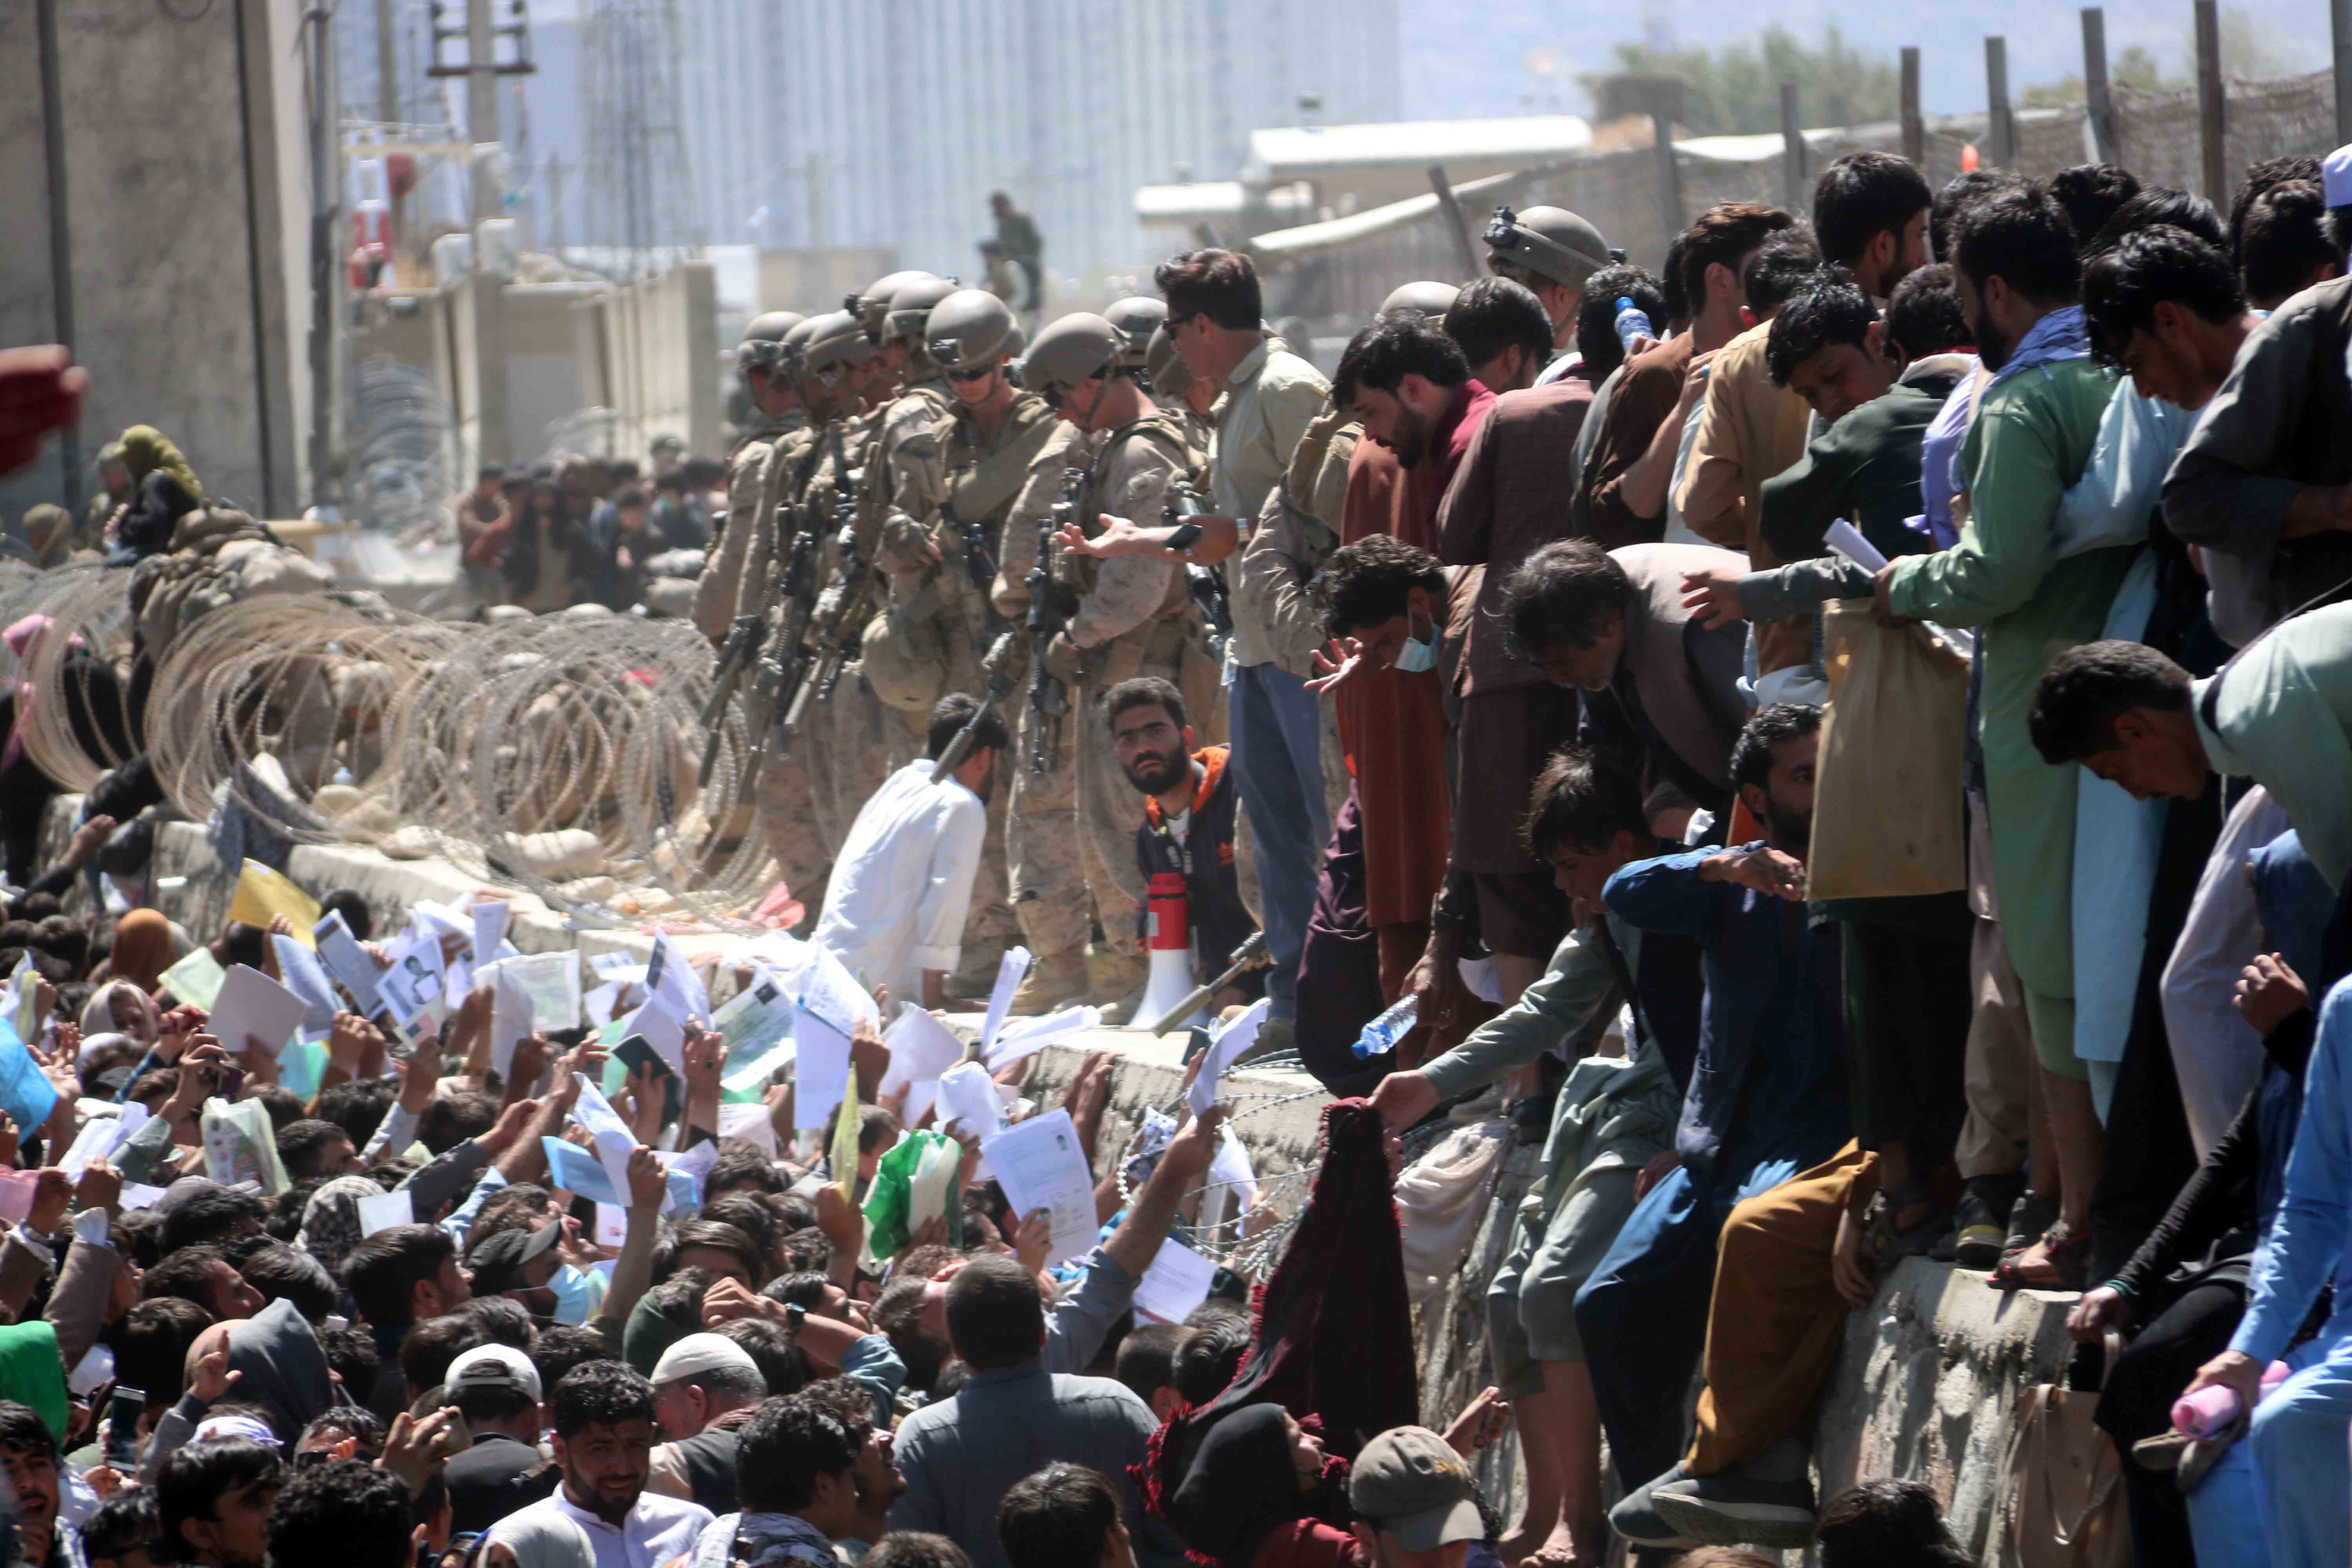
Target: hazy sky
x,y
1453,70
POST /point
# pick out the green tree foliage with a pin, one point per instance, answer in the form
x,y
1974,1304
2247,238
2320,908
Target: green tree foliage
x,y
1737,86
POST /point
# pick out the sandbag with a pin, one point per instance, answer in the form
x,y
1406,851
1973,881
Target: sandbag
x,y
1888,816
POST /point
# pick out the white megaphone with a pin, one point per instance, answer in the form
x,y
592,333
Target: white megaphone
x,y
1172,956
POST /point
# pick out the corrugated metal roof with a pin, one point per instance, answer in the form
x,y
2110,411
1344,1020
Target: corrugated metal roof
x,y
1288,152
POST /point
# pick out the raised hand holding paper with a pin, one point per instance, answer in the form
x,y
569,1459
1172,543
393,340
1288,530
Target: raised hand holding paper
x,y
614,1143
819,1069
262,892
253,1007
196,979
306,978
513,1019
1029,1038
669,975
1176,1284
833,994
1010,971
968,1095
1039,1164
385,1210
1224,1051
664,1029
412,988
756,1023
921,1048
490,917
346,959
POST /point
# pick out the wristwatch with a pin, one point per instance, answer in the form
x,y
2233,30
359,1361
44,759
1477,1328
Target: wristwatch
x,y
793,1315
1187,534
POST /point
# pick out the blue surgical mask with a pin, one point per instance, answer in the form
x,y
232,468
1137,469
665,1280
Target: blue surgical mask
x,y
576,1294
1417,655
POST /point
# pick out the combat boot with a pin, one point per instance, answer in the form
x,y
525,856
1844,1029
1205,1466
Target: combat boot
x,y
1113,979
1053,981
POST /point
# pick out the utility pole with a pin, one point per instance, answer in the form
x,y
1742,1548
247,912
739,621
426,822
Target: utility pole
x,y
387,65
326,295
2098,95
493,441
1792,151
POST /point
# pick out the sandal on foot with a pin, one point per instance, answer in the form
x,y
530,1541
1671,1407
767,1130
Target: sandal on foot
x,y
2067,1256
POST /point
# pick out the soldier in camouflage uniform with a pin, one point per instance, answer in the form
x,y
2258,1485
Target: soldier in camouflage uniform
x,y
1074,830
737,575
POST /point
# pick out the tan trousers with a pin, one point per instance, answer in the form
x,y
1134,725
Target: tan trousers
x,y
1775,1318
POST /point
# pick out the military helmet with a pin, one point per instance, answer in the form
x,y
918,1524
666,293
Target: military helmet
x,y
968,328
1134,319
1552,243
764,346
912,304
834,338
1170,376
870,303
1426,300
1077,348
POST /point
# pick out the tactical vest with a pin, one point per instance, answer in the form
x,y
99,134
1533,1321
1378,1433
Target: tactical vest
x,y
1166,432
987,480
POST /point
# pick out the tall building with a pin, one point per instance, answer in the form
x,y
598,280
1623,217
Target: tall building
x,y
888,123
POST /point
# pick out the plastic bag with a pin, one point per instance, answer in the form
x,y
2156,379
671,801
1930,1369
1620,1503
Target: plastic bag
x,y
1887,814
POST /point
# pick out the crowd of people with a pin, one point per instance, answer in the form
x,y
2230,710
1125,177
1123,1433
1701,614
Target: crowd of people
x,y
1750,727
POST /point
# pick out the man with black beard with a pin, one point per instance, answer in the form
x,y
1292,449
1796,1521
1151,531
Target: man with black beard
x,y
1190,813
1767,1100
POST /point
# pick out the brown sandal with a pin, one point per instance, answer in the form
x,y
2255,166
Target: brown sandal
x,y
2066,1254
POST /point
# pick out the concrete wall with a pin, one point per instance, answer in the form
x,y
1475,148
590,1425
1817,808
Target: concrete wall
x,y
652,351
812,281
189,289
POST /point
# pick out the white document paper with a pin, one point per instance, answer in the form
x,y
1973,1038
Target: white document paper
x,y
614,1143
663,1030
306,978
17,1194
385,1210
100,1137
574,1170
195,979
754,1023
687,1172
932,1186
348,962
513,1019
252,1006
411,987
833,994
1039,1164
819,1069
137,1195
669,977
967,1095
490,916
1230,1043
1176,1284
553,979
1031,1035
1850,542
612,1225
752,1121
1231,1170
1010,971
921,1048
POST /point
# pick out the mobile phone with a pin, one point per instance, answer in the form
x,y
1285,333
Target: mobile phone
x,y
232,1079
122,1413
637,1051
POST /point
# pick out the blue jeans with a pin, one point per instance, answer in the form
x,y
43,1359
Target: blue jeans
x,y
1642,1314
2302,1476
1278,759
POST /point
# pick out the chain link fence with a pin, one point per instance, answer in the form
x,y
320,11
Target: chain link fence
x,y
2155,133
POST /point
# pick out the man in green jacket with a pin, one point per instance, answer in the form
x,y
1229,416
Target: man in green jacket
x,y
2019,276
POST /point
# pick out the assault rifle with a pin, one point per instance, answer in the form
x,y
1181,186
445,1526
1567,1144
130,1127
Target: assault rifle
x,y
995,669
1204,584
1050,605
845,621
785,665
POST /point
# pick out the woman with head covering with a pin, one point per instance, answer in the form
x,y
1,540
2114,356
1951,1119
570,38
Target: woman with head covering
x,y
533,1540
1260,1494
143,948
119,1008
330,1224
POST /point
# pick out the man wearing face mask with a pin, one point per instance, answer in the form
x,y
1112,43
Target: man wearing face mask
x,y
1381,601
1133,617
1189,819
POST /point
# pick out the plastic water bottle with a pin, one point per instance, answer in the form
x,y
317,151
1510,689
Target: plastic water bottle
x,y
1632,321
1381,1036
2211,1411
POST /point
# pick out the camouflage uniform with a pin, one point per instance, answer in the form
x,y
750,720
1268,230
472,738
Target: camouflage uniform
x,y
943,477
1074,826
